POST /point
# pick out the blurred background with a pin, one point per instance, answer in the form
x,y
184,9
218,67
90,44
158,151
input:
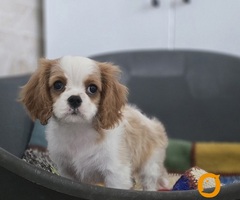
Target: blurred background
x,y
20,36
30,29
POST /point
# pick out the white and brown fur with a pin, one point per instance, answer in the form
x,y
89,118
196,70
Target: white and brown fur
x,y
104,139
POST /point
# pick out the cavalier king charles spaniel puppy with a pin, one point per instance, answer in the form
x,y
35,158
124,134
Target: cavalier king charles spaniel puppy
x,y
93,134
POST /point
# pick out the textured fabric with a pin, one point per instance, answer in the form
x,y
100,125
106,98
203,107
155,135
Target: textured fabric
x,y
220,158
189,180
40,159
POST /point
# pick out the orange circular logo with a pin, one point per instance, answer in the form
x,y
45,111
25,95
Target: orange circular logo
x,y
217,185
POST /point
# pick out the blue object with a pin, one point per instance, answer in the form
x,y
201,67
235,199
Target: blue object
x,y
38,137
229,179
183,183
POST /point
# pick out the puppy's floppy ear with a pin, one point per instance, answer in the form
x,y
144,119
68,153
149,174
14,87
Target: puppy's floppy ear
x,y
113,97
35,95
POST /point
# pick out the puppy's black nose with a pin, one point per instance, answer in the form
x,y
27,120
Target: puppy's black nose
x,y
74,101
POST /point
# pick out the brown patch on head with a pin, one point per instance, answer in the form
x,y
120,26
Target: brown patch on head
x,y
35,95
113,97
57,75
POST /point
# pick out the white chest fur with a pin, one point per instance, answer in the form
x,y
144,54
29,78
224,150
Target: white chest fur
x,y
78,152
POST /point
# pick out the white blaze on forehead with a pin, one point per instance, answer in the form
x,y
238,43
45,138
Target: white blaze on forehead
x,y
77,68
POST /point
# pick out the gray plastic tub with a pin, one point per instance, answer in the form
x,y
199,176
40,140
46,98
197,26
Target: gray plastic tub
x,y
207,89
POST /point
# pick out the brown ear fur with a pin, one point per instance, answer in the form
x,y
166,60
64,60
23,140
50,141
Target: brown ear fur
x,y
113,97
35,95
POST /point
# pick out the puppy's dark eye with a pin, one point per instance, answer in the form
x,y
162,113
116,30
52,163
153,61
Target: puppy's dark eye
x,y
92,89
58,85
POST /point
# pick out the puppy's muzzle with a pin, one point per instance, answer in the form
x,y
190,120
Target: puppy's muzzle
x,y
74,101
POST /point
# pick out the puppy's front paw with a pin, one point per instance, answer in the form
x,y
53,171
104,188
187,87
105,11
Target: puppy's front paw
x,y
118,180
163,184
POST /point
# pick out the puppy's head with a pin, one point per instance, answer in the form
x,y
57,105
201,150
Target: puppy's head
x,y
75,90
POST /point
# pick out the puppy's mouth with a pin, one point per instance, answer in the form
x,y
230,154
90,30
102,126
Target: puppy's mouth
x,y
71,115
75,112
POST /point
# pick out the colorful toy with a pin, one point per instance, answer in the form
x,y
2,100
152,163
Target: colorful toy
x,y
189,180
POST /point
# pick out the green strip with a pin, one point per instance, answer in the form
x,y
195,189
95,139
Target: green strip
x,y
178,157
